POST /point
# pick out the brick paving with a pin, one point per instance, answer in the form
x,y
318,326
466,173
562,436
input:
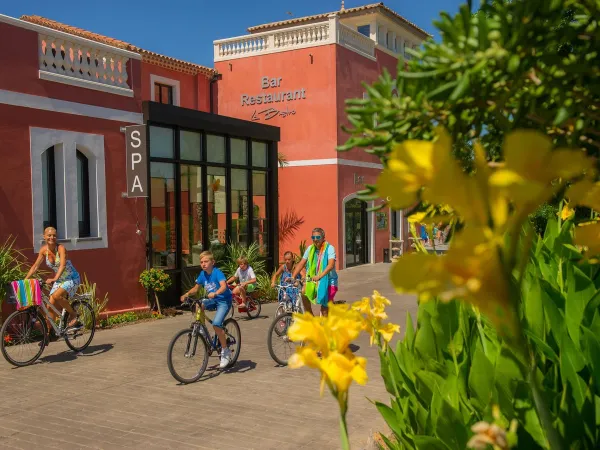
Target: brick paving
x,y
119,392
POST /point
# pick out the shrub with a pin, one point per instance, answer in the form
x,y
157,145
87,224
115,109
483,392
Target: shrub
x,y
233,251
13,266
265,291
97,305
155,280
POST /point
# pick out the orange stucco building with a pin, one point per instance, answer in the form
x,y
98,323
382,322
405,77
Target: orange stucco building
x,y
297,74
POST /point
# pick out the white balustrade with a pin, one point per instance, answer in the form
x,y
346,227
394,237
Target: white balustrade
x,y
82,60
348,37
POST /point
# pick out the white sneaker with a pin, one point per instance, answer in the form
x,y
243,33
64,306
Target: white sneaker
x,y
225,358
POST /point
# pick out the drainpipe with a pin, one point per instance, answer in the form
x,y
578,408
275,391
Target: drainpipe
x,y
213,79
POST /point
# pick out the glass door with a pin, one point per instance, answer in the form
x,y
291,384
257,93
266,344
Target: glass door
x,y
356,232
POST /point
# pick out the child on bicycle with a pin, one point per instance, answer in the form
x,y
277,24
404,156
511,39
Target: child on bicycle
x,y
218,298
285,272
246,279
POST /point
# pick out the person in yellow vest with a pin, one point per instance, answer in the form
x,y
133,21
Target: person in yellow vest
x,y
321,277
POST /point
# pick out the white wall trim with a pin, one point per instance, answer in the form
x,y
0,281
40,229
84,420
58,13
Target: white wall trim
x,y
370,229
66,107
66,144
70,37
334,161
169,82
87,84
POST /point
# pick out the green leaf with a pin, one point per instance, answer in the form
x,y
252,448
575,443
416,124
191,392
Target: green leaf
x,y
389,416
561,116
481,378
451,428
427,383
580,292
534,311
545,348
592,347
425,344
462,86
571,362
409,331
429,443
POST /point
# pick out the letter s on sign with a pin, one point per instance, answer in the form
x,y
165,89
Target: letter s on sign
x,y
135,138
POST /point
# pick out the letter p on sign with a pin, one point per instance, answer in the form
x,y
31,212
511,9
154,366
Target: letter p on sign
x,y
137,161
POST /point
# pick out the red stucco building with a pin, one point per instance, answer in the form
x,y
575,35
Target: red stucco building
x,y
297,75
213,139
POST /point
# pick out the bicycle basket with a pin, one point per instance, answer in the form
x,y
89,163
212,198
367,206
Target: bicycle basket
x,y
28,293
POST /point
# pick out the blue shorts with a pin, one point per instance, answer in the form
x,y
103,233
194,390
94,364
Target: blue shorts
x,y
221,306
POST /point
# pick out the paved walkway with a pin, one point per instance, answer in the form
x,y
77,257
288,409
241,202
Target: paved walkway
x,y
119,393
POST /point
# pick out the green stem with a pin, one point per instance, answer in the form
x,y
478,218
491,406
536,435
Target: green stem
x,y
343,426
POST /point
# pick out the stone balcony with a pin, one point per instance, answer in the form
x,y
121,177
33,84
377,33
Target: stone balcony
x,y
326,32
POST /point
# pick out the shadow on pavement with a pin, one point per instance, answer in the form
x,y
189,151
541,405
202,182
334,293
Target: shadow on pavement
x,y
69,355
246,318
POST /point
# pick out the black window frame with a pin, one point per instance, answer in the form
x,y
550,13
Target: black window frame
x,y
50,188
183,119
84,223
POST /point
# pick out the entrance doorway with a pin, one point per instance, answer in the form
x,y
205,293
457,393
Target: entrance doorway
x,y
356,238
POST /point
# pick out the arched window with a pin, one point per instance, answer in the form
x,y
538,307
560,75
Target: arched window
x,y
83,195
49,188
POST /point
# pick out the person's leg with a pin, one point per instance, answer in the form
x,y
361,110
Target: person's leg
x,y
307,305
242,294
222,310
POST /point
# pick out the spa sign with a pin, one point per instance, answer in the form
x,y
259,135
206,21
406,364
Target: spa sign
x,y
273,96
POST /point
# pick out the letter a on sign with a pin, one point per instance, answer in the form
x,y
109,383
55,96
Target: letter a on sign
x,y
137,161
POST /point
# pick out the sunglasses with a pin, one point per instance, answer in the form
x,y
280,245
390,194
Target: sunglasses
x,y
316,238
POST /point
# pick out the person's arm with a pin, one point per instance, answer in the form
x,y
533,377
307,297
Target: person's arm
x,y
330,264
299,267
235,277
192,291
276,275
36,265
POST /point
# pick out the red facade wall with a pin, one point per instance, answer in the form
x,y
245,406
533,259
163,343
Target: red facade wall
x,y
115,269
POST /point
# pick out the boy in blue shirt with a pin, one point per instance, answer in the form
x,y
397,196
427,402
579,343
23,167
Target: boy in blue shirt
x,y
218,298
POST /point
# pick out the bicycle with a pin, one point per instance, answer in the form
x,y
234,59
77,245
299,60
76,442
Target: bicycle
x,y
197,338
26,328
253,305
281,323
290,299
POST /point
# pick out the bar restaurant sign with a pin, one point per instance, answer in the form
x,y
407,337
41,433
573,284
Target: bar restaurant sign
x,y
273,96
137,161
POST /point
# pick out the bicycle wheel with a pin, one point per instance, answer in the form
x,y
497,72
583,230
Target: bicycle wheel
x,y
234,339
23,337
280,310
253,307
277,338
190,346
78,340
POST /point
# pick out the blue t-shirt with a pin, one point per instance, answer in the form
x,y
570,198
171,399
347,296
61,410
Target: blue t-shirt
x,y
333,277
212,281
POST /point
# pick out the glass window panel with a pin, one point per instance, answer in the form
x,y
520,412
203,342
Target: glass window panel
x,y
259,154
191,215
239,206
259,205
190,145
217,206
239,155
161,142
215,148
157,92
364,30
162,213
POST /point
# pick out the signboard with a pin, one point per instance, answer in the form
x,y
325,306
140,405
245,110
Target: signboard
x,y
359,180
381,220
273,96
137,161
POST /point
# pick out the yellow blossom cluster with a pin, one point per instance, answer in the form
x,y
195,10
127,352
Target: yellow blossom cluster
x,y
492,204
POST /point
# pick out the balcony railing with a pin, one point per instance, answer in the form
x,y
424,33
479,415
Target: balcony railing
x,y
84,63
312,35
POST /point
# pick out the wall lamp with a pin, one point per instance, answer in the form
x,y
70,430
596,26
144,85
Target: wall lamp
x,y
311,57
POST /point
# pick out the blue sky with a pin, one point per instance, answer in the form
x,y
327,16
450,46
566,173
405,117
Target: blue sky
x,y
185,29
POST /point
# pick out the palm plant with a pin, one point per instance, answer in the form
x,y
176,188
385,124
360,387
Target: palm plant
x,y
253,253
13,266
281,160
289,223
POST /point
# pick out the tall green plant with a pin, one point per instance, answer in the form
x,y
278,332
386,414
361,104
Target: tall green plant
x,y
98,305
229,264
445,376
13,266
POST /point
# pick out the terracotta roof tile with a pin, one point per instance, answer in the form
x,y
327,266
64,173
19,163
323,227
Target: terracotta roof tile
x,y
147,56
374,6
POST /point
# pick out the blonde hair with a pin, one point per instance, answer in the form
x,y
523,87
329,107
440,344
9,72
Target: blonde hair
x,y
242,260
49,229
208,255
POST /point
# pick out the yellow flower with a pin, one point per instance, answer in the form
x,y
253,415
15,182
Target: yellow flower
x,y
373,315
566,212
585,193
588,235
471,270
412,165
531,166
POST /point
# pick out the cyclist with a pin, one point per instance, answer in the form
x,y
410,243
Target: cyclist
x,y
285,272
319,259
218,298
246,279
65,281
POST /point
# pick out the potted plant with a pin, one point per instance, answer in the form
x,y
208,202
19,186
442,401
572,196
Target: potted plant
x,y
155,280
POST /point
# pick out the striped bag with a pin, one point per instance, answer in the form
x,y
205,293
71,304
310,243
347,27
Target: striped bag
x,y
28,293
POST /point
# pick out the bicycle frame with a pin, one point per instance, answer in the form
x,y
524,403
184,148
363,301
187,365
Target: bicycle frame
x,y
58,329
201,318
297,305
